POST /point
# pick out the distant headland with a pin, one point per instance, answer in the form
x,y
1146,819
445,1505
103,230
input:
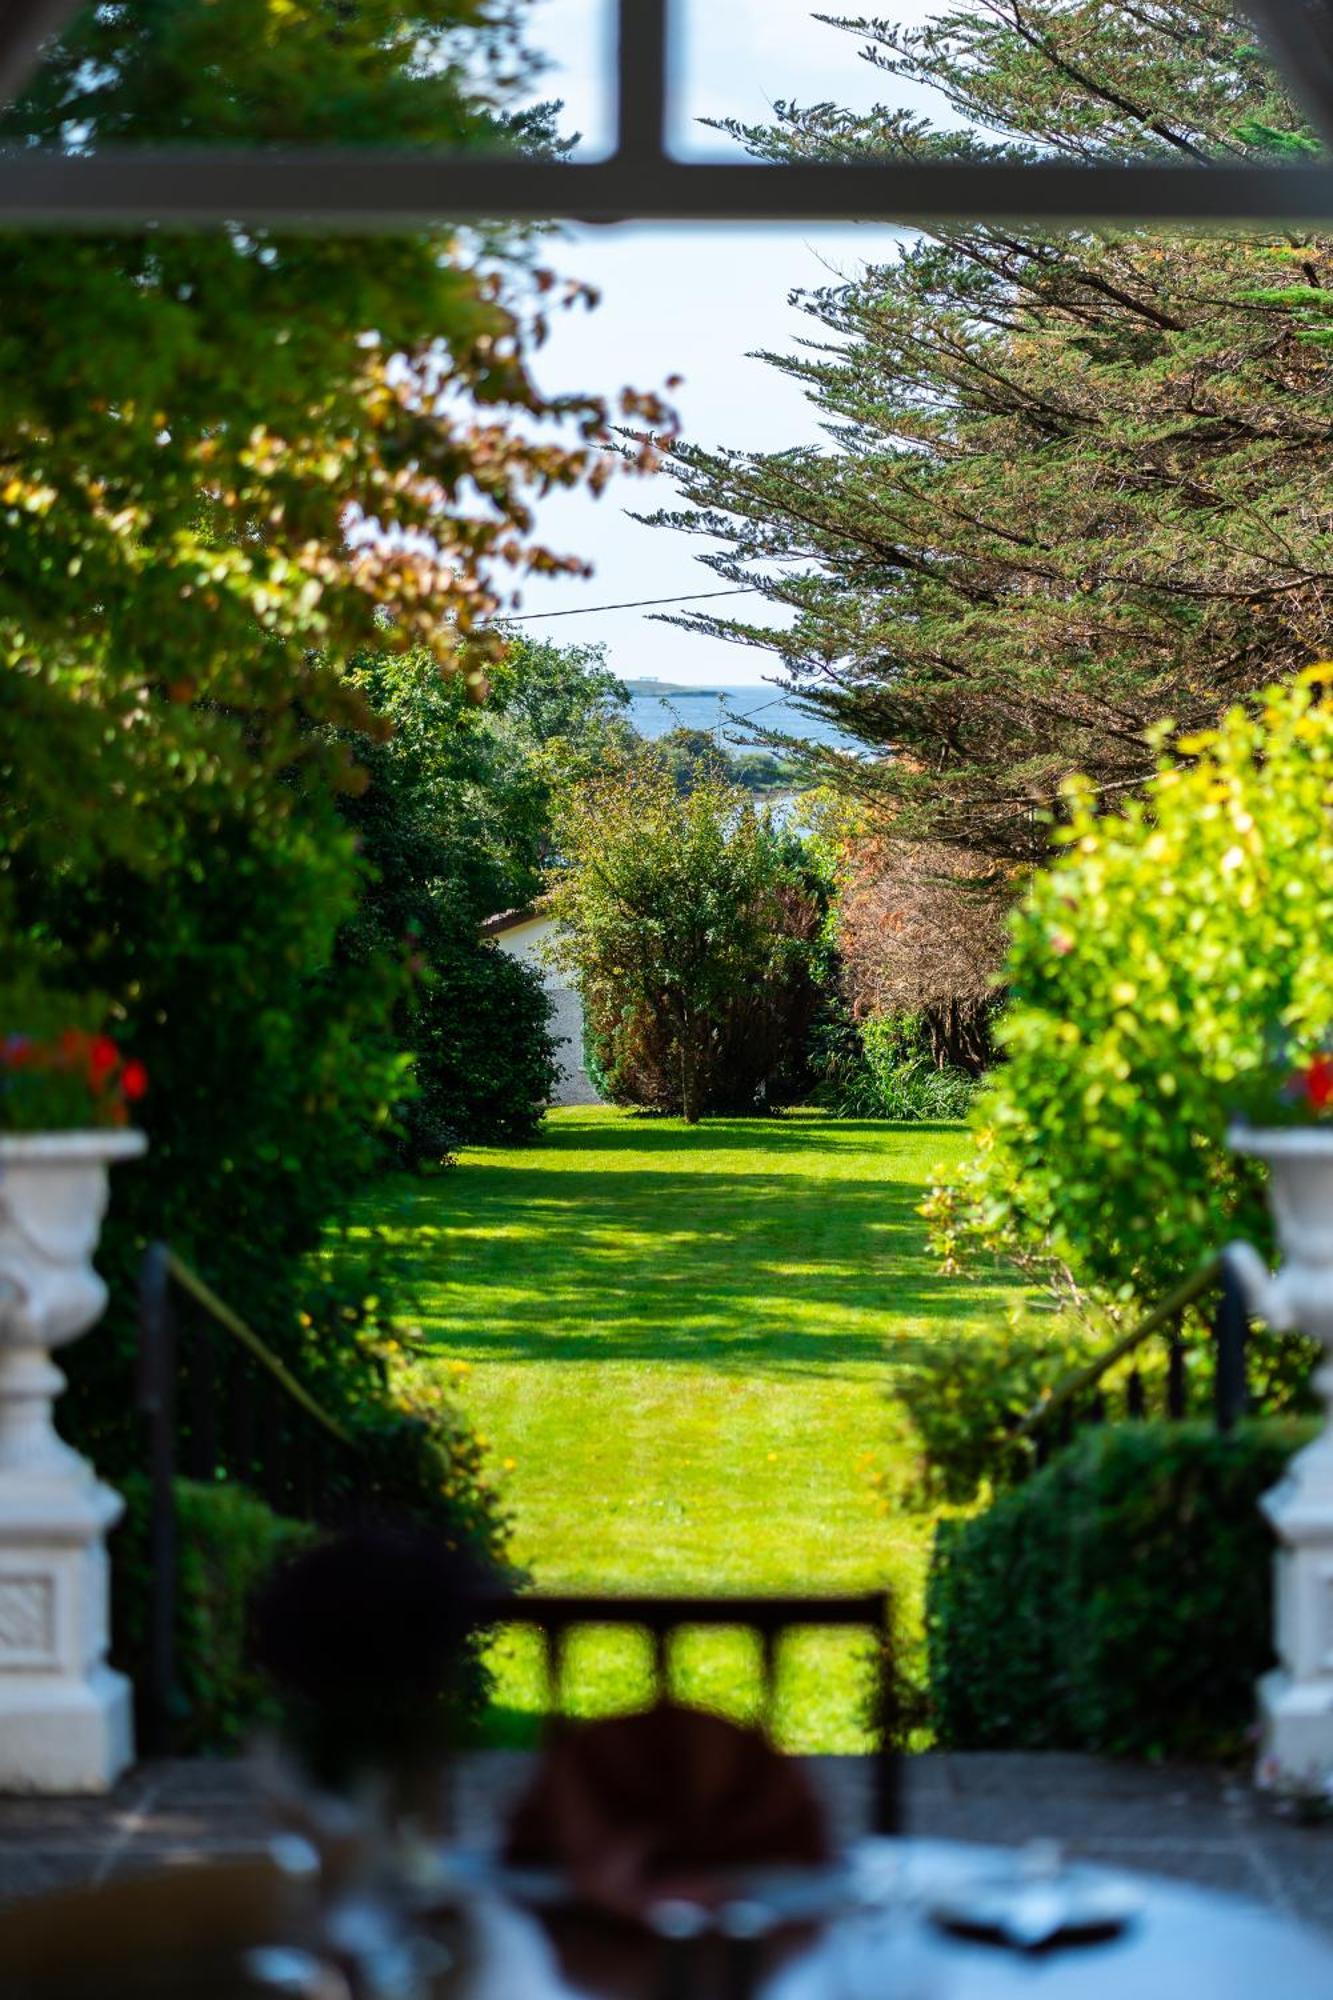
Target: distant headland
x,y
650,687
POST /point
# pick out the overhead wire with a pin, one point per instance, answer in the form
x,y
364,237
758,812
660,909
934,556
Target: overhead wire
x,y
642,603
632,604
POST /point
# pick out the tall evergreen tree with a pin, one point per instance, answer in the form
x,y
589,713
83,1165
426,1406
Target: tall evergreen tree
x,y
1074,481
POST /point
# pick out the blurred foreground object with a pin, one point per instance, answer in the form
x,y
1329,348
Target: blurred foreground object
x,y
230,1929
642,1810
369,1638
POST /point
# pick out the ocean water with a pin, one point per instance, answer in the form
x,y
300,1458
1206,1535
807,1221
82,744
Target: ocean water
x,y
738,712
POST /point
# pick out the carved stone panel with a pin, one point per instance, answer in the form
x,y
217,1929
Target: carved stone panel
x,y
27,1623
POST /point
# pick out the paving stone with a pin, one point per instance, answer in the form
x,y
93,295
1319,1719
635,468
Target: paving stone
x,y
1190,1822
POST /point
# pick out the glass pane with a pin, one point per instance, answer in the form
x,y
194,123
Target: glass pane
x,y
739,60
575,40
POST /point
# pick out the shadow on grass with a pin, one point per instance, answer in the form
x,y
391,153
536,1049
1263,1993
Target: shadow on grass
x,y
747,1272
604,1132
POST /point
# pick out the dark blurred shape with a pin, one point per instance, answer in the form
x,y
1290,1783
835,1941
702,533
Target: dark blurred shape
x,y
221,1928
642,1810
370,1638
25,26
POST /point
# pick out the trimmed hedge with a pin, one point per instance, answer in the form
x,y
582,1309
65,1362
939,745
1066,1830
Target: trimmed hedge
x,y
228,1542
1119,1602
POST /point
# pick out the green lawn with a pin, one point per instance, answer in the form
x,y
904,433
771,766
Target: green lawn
x,y
675,1345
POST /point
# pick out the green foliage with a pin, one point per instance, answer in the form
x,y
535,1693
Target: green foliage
x,y
694,928
1120,1602
450,827
566,713
1151,969
273,1070
228,463
423,1461
691,754
1033,434
228,1542
882,1067
188,421
455,824
486,1060
957,1394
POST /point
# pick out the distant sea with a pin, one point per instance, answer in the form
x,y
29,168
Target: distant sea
x,y
739,712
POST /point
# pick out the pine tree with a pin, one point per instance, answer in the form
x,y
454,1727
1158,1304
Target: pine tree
x,y
1074,481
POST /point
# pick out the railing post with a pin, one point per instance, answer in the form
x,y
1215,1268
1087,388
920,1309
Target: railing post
x,y
1231,1330
1175,1373
157,1402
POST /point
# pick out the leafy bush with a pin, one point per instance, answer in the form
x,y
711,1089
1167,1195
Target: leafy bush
x,y
958,1395
422,1461
486,1062
1118,1602
1151,969
418,1460
228,1542
454,825
695,927
884,1069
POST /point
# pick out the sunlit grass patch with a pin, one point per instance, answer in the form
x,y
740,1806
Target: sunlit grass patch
x,y
824,1683
679,1337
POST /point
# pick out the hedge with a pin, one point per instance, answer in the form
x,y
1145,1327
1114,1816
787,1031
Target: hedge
x,y
1119,1602
228,1541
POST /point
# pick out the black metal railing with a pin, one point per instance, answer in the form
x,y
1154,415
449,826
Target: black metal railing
x,y
220,1407
1084,1398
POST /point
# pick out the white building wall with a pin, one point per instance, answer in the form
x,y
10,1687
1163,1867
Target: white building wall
x,y
525,941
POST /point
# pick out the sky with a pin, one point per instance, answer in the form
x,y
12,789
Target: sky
x,y
691,301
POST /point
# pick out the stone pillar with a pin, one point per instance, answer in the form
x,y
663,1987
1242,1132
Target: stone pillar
x,y
65,1716
1296,1699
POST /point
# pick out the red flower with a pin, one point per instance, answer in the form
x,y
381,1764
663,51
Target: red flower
x,y
1319,1082
134,1081
103,1057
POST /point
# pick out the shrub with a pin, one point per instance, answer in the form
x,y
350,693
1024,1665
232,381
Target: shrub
x,y
228,1543
958,1395
423,1462
1151,968
449,827
418,1461
883,1068
486,1061
921,933
1118,1602
695,928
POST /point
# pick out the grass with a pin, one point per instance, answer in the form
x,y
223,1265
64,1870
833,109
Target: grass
x,y
674,1341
